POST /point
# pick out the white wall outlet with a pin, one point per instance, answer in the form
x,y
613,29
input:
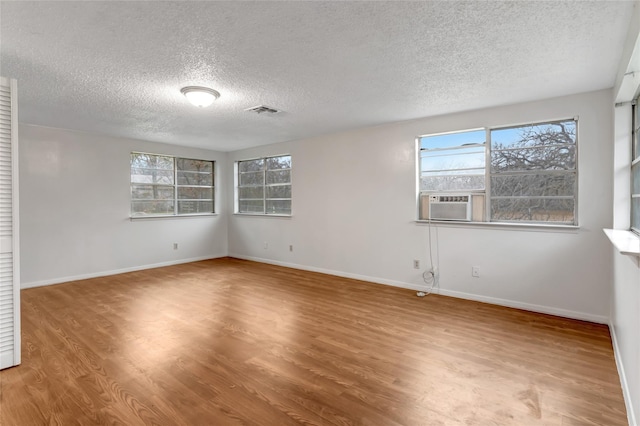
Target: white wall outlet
x,y
475,271
416,264
175,246
290,247
265,245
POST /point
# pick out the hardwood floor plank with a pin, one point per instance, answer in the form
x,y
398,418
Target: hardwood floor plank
x,y
233,342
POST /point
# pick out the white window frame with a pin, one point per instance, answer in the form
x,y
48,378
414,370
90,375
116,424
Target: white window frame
x,y
484,196
265,186
634,168
175,186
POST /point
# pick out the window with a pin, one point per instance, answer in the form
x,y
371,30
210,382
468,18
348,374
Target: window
x,y
162,185
453,162
531,176
635,168
264,186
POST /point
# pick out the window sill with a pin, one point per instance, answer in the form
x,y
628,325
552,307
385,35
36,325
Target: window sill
x,y
263,215
502,225
172,216
625,241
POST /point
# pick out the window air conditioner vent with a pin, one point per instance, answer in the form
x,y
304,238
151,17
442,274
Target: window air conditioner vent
x,y
450,207
262,108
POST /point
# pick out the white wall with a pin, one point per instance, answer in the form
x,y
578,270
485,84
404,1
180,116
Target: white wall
x,y
354,211
74,209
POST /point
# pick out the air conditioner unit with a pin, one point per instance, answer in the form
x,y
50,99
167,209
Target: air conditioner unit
x,y
450,207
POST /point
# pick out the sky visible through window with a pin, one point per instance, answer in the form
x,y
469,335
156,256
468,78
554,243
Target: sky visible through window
x,y
452,140
447,154
433,158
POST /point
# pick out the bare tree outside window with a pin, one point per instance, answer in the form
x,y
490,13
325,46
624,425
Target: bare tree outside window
x,y
264,185
162,185
531,176
194,185
152,188
533,173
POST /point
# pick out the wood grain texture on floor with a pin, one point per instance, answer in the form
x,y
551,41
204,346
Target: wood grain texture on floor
x,y
233,342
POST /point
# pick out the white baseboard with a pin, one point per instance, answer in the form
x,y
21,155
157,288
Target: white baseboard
x,y
114,272
376,280
600,319
628,402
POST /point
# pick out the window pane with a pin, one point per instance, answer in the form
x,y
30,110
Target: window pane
x,y
636,129
278,206
532,210
555,157
155,188
451,183
152,207
186,164
195,178
453,140
451,163
454,172
151,192
445,160
279,176
546,134
635,201
275,163
195,193
252,178
280,191
151,161
533,185
251,206
191,207
267,178
251,192
139,175
635,178
537,147
635,213
251,165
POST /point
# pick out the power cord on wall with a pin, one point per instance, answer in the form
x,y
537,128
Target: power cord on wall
x,y
431,276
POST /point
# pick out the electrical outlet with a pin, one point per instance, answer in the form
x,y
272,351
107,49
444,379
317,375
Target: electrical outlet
x,y
175,246
266,245
290,247
416,264
475,271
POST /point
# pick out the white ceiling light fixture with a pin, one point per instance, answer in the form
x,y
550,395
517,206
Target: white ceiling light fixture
x,y
200,96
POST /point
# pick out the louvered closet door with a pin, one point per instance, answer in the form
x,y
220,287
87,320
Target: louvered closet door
x,y
9,249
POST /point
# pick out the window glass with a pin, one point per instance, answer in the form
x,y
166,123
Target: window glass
x,y
635,167
531,176
165,185
264,185
453,162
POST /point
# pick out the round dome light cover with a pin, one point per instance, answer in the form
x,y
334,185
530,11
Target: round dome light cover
x,y
200,96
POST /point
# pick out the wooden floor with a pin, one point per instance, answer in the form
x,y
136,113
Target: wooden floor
x,y
232,342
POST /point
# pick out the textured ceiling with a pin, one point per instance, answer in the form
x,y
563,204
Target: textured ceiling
x,y
117,67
